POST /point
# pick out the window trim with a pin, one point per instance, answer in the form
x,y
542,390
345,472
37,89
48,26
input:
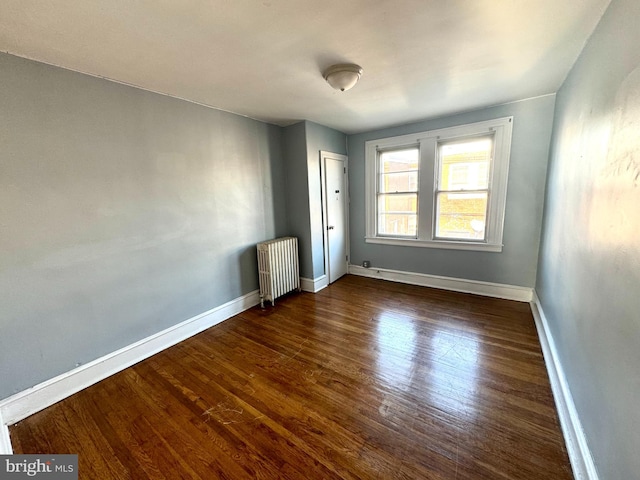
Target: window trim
x,y
500,128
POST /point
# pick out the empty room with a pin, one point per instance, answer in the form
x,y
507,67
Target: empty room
x,y
286,239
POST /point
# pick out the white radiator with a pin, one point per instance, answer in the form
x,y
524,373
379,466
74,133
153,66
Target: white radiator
x,y
278,268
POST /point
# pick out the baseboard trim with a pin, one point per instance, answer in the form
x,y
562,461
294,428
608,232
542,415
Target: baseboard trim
x,y
21,405
5,439
497,290
314,285
574,437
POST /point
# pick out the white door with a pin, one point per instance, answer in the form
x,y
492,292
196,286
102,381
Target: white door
x,y
336,204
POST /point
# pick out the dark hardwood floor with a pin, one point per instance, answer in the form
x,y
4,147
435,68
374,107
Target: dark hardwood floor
x,y
364,380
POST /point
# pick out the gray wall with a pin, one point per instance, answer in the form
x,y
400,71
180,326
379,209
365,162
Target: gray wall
x,y
516,264
302,145
319,138
295,154
589,272
122,212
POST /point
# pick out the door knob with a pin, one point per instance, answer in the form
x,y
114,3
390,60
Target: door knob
x,y
331,227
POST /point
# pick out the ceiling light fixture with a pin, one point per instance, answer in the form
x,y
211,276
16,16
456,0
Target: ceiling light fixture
x,y
342,76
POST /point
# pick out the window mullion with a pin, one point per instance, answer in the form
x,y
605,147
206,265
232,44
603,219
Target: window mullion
x,y
426,187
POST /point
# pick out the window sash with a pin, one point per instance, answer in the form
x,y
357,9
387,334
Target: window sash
x,y
462,218
388,219
471,192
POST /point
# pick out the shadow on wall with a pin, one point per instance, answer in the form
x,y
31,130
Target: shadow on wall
x,y
248,268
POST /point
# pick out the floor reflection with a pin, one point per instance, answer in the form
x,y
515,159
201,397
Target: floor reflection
x,y
396,338
445,364
453,372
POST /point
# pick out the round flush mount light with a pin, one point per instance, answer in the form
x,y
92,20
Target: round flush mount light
x,y
343,76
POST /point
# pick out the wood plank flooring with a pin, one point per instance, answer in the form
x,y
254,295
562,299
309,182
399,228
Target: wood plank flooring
x,y
364,380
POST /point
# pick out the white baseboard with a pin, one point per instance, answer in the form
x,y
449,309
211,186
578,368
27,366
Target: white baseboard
x,y
34,399
5,439
574,437
498,290
314,285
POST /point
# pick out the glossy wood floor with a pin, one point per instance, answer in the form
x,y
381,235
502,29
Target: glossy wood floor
x,y
366,379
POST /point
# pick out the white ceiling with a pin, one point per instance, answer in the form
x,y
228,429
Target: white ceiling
x,y
264,58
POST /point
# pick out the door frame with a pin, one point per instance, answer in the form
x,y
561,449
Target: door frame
x,y
325,234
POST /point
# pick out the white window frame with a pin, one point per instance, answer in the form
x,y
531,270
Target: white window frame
x,y
427,142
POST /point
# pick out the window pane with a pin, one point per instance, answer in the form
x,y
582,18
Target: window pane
x,y
465,165
461,215
399,182
399,160
397,214
398,224
398,203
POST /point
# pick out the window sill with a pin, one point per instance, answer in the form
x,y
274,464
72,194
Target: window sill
x,y
411,242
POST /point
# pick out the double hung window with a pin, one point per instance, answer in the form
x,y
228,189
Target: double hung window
x,y
398,192
445,188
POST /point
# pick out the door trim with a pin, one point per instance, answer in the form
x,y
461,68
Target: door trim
x,y
345,160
